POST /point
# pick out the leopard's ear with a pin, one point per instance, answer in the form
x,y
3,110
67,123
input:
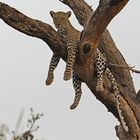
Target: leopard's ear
x,y
52,13
69,13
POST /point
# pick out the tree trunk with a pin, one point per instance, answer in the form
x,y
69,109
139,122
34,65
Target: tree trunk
x,y
95,35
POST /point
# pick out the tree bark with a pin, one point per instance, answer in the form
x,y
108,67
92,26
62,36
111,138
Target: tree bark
x,y
95,35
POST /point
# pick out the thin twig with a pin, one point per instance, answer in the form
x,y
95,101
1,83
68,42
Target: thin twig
x,y
131,68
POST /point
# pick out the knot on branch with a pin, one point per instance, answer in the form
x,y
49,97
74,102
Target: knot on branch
x,y
86,48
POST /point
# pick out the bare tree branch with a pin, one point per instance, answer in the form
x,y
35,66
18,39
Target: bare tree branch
x,y
32,27
80,8
97,24
131,68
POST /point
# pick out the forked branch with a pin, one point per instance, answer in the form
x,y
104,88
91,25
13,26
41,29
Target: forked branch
x,y
98,22
91,37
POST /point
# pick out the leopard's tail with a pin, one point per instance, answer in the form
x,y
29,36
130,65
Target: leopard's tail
x,y
117,98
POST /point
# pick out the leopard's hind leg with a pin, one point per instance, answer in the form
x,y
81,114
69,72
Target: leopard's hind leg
x,y
100,62
78,92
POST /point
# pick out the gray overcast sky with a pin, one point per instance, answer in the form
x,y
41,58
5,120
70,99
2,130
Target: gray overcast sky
x,y
24,64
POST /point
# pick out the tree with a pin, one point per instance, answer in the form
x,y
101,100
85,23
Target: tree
x,y
94,35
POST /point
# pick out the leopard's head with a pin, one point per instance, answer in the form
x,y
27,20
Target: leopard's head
x,y
60,19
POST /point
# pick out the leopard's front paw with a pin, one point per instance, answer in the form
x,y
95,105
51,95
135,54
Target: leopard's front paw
x,y
49,79
67,75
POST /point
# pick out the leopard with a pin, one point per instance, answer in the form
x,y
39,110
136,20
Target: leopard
x,y
70,37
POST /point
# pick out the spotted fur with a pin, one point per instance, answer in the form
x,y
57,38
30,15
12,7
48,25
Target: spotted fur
x,y
69,35
117,98
78,92
54,62
100,63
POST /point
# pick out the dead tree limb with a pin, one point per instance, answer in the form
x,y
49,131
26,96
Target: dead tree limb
x,y
32,27
105,12
131,68
97,24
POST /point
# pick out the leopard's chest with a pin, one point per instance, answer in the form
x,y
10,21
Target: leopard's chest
x,y
68,36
